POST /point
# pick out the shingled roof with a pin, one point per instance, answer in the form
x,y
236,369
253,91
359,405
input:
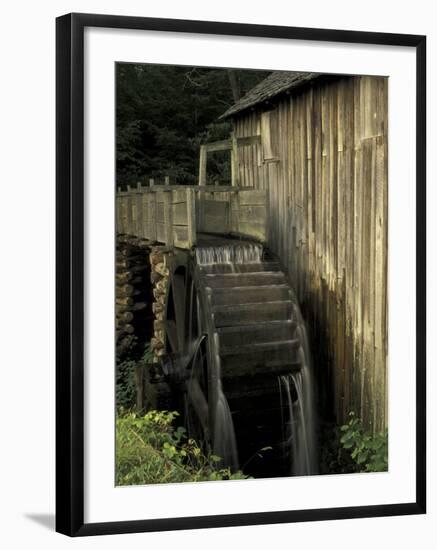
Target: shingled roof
x,y
275,84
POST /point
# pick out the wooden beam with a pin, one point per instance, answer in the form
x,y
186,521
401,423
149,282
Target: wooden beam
x,y
196,188
144,201
139,229
168,218
234,161
139,385
129,219
118,213
250,140
191,215
202,165
224,145
152,216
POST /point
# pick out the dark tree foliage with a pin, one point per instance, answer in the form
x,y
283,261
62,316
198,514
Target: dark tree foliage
x,y
165,112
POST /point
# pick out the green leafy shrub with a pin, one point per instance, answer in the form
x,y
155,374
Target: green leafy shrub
x,y
369,451
129,351
333,457
125,389
149,449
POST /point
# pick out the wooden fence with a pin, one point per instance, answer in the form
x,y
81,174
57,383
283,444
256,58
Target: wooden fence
x,y
175,215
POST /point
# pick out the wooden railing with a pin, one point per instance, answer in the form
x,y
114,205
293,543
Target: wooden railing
x,y
175,214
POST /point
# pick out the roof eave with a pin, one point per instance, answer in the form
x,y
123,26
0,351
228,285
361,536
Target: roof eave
x,y
234,112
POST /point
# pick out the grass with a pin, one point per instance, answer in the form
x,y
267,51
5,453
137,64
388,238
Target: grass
x,y
151,449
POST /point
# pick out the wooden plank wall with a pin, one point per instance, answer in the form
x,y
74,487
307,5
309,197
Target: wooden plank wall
x,y
325,168
213,212
249,214
174,215
166,215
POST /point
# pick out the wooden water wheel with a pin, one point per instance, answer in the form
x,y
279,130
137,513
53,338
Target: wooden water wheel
x,y
231,330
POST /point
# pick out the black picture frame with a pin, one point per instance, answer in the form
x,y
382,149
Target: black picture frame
x,y
70,273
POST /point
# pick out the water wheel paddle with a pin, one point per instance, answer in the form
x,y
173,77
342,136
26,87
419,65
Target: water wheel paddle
x,y
233,330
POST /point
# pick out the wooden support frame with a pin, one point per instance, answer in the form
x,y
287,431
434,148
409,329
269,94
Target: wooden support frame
x,y
234,161
202,165
231,145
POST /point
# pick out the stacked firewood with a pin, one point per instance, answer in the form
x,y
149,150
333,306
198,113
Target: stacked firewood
x,y
159,261
131,299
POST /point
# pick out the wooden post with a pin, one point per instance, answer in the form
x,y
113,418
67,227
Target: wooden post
x,y
139,208
139,383
129,223
118,218
234,207
152,216
145,214
168,221
234,161
133,208
191,217
122,206
202,165
200,210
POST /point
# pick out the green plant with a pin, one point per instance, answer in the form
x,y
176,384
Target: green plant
x,y
369,451
333,457
125,391
150,449
127,349
125,388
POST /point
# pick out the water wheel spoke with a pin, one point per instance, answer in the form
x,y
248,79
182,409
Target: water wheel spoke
x,y
193,328
172,334
179,298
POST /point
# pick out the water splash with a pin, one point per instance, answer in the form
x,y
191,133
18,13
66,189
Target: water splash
x,y
229,254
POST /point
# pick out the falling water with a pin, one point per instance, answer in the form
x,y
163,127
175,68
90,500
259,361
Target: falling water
x,y
297,388
226,258
229,254
225,443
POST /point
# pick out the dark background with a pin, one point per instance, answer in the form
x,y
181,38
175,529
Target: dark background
x,y
164,112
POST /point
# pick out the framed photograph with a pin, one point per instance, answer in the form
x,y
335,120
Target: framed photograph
x,y
240,274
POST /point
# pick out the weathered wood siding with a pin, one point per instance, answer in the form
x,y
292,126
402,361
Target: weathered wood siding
x,y
174,215
323,160
158,214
